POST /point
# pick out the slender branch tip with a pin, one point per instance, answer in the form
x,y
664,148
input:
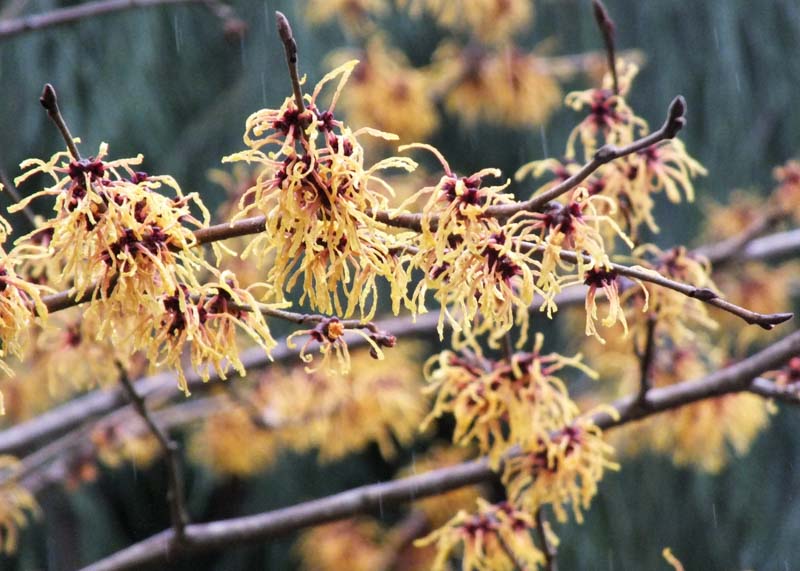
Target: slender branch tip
x,y
676,117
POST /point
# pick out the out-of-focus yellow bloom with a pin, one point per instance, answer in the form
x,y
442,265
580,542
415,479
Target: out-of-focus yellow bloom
x,y
509,403
354,15
353,544
560,469
506,87
702,434
16,504
440,508
490,21
320,202
787,195
229,442
130,441
388,93
496,538
379,402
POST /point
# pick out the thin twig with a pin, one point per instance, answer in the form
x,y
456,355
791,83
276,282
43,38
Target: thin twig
x,y
175,493
49,101
223,534
608,30
9,187
290,47
646,359
72,14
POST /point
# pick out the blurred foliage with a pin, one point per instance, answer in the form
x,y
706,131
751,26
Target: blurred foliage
x,y
166,83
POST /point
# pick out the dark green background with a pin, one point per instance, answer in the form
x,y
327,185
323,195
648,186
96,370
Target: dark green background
x,y
165,83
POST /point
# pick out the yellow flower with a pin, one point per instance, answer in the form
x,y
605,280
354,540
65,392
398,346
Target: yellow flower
x,y
610,120
561,469
354,15
787,195
130,441
206,323
16,504
353,544
501,404
229,442
19,300
319,203
339,414
496,538
505,87
388,93
491,21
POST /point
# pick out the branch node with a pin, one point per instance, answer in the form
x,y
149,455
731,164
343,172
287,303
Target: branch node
x,y
703,294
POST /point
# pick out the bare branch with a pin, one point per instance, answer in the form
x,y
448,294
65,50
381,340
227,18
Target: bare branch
x,y
49,101
290,47
265,526
72,14
646,359
175,494
608,30
768,389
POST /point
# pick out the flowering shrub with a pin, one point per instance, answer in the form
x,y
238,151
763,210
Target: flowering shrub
x,y
326,225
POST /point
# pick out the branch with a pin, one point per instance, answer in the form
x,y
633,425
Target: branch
x,y
175,494
290,47
706,295
768,389
72,14
21,437
608,30
223,534
49,101
646,359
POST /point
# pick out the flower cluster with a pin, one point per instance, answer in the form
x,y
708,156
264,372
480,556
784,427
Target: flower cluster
x,y
319,199
16,504
495,538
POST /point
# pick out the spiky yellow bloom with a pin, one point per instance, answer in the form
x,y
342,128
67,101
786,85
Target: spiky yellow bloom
x,y
495,538
319,199
490,21
561,469
579,225
610,120
205,322
113,226
388,93
441,507
354,544
230,442
16,504
20,300
506,87
479,273
501,404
